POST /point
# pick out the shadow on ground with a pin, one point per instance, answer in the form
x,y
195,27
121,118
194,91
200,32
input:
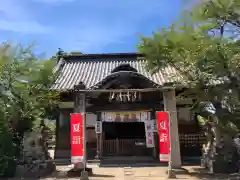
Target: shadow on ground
x,y
201,173
70,174
139,162
133,165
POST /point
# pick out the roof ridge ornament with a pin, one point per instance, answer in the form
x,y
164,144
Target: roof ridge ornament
x,y
79,86
124,67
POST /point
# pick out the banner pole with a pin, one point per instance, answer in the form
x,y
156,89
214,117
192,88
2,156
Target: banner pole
x,y
84,173
171,173
84,141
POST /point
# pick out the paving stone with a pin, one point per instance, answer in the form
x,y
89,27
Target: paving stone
x,y
127,173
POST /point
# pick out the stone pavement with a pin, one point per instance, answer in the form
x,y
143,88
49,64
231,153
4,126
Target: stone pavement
x,y
121,173
134,173
141,173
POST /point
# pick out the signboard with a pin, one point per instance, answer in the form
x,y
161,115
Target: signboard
x,y
144,116
163,133
154,125
98,127
132,116
77,139
149,134
91,119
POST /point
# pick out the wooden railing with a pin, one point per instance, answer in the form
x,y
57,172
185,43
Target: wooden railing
x,y
125,147
190,145
192,138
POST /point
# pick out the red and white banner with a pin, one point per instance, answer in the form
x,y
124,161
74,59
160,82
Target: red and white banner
x,y
149,134
163,133
77,139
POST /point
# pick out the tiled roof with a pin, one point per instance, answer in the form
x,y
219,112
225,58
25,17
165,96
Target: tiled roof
x,y
91,69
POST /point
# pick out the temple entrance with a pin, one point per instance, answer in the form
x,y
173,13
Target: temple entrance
x,y
124,139
124,130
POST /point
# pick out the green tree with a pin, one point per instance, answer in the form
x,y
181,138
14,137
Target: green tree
x,y
224,14
25,99
207,63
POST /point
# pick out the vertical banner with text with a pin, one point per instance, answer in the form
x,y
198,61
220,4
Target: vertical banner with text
x,y
149,134
77,139
163,133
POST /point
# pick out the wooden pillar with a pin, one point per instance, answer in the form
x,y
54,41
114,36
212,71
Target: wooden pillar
x,y
101,137
98,135
79,104
57,139
101,144
155,154
98,146
80,107
169,98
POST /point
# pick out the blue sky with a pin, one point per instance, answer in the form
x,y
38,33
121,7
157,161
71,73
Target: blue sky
x,y
90,26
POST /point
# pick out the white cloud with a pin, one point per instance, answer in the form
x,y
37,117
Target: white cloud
x,y
30,27
11,9
16,17
14,9
95,26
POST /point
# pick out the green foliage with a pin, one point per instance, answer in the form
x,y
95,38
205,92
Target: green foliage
x,y
209,64
224,14
199,57
201,120
51,125
25,97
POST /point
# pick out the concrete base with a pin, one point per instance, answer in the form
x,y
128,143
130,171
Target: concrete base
x,y
84,175
179,171
171,174
78,172
79,166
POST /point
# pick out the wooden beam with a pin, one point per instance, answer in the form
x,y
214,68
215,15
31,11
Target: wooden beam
x,y
124,107
70,104
127,90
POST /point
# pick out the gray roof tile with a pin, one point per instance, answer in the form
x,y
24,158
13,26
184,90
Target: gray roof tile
x,y
92,71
